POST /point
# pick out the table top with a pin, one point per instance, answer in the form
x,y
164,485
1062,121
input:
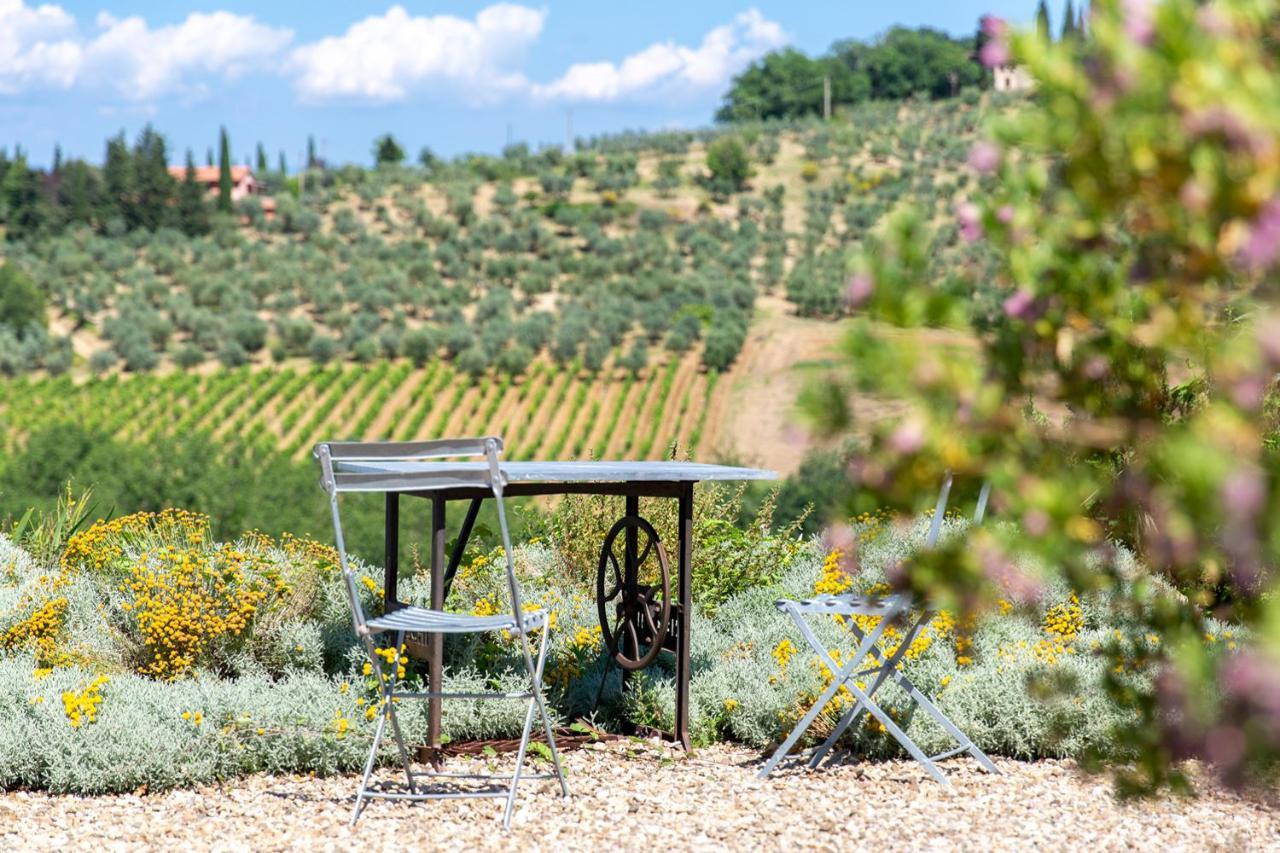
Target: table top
x,y
427,474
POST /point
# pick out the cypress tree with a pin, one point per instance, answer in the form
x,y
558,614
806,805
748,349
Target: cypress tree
x,y
154,186
262,160
208,156
224,172
311,151
57,158
284,169
117,180
79,193
1042,22
26,208
193,211
1069,22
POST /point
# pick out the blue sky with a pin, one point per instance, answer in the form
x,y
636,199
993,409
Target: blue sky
x,y
455,76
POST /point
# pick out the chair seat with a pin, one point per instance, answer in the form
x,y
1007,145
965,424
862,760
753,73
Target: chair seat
x,y
439,622
848,604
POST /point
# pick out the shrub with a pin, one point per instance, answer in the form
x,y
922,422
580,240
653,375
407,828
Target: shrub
x,y
729,164
420,345
22,304
515,359
322,349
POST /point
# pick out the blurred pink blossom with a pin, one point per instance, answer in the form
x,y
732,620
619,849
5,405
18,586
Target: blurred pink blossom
x,y
1036,522
968,215
908,438
1193,195
1249,391
858,290
1139,20
1019,304
996,49
1213,22
984,157
1268,333
1244,492
1263,246
1005,214
1012,581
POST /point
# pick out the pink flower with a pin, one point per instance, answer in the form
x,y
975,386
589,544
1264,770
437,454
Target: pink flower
x,y
1012,581
996,49
1139,20
1263,246
1269,339
1249,391
1019,304
984,157
1005,214
970,222
994,54
1244,492
858,290
908,438
1036,522
1193,195
1213,22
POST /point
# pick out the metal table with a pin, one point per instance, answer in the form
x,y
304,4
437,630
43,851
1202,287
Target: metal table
x,y
638,621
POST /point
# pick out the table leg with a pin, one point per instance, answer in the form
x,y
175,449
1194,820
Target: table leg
x,y
630,571
391,549
435,642
685,572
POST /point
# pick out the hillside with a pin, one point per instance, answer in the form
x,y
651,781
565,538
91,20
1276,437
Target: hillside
x,y
558,297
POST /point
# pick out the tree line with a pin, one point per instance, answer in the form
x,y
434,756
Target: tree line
x,y
901,63
132,189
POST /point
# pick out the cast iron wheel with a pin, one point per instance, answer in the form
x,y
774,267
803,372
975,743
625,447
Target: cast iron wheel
x,y
634,614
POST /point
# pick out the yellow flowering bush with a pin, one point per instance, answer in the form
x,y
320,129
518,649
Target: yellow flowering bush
x,y
38,632
183,603
81,706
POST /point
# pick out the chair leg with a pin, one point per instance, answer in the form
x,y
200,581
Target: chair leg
x,y
395,722
898,734
887,668
368,769
524,746
546,718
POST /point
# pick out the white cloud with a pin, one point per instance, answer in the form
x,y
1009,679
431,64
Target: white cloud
x,y
386,57
389,56
668,67
38,47
142,62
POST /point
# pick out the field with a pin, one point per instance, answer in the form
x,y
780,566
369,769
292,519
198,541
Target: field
x,y
549,412
589,304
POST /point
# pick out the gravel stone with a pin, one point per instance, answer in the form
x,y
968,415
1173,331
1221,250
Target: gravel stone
x,y
641,795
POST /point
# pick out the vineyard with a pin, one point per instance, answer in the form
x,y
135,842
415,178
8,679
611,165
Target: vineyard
x,y
550,412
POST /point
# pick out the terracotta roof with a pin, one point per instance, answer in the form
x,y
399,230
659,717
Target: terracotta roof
x,y
210,175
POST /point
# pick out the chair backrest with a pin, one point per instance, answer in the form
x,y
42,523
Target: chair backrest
x,y
335,480
940,509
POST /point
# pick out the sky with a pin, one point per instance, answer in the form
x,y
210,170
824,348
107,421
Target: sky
x,y
452,76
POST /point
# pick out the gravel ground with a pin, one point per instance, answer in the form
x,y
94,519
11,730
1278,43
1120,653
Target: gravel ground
x,y
633,795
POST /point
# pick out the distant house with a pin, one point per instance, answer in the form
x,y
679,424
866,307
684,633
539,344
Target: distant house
x,y
1011,78
243,184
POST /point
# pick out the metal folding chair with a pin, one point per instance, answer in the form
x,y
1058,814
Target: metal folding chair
x,y
889,608
390,466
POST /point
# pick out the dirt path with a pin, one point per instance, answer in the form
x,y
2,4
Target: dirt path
x,y
753,414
